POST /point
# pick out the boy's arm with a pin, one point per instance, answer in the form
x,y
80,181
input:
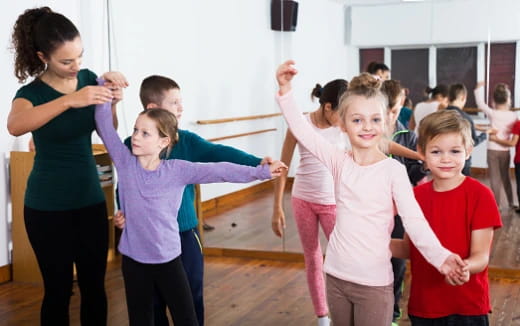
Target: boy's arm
x,y
205,151
400,150
400,248
505,142
480,250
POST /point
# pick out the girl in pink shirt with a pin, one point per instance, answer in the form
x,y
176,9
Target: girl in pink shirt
x,y
368,187
312,200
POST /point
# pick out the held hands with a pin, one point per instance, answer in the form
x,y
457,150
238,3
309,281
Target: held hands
x,y
278,221
284,75
115,81
454,268
119,220
459,277
90,95
277,168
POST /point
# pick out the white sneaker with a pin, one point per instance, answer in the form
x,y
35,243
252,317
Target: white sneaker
x,y
324,321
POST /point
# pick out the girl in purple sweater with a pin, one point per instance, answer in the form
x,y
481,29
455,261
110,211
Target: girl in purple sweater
x,y
150,189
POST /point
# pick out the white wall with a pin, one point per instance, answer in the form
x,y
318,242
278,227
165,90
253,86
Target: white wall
x,y
435,22
222,53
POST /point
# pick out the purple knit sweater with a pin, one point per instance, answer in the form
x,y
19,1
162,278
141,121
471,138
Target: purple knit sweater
x,y
150,199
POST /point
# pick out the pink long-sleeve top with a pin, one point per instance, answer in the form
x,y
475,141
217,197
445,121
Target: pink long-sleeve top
x,y
359,246
503,121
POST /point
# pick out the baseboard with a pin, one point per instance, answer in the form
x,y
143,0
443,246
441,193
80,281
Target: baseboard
x,y
5,273
229,201
482,172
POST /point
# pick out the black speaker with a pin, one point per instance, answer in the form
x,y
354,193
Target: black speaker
x,y
290,15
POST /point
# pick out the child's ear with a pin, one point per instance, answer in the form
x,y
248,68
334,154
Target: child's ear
x,y
469,150
151,106
327,107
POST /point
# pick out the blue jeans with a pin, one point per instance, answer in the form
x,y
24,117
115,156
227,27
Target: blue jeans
x,y
193,263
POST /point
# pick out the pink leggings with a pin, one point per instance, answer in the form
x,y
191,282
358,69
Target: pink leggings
x,y
308,216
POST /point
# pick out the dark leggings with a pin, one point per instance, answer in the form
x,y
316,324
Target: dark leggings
x,y
59,239
169,279
193,264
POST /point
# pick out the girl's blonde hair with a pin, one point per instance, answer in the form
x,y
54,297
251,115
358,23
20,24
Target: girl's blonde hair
x,y
166,126
443,122
369,87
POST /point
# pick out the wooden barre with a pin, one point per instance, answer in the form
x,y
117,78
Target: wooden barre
x,y
251,117
241,135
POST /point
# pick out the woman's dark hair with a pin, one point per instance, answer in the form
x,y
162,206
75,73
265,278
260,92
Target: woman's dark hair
x,y
373,67
38,29
501,94
456,90
440,89
330,93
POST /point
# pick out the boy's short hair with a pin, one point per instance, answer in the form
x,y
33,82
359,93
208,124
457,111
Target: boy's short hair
x,y
443,122
455,91
153,88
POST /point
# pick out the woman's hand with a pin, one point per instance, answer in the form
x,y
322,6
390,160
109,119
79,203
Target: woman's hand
x,y
115,79
90,95
278,221
277,168
284,75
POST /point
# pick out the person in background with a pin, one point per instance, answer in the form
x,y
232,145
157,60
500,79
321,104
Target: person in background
x,y
398,133
379,70
457,96
502,120
438,100
64,208
406,111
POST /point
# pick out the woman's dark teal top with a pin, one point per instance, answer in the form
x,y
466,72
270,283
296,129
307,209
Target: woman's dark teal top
x,y
64,176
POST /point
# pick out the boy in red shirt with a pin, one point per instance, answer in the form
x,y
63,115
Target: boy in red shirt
x,y
463,214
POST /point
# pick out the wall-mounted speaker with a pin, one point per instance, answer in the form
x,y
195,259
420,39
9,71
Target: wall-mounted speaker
x,y
286,9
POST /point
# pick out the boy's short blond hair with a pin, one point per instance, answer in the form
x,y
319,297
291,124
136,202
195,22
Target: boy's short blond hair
x,y
443,122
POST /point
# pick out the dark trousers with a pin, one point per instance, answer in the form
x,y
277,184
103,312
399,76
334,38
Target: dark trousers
x,y
517,175
169,279
398,267
452,320
193,263
59,239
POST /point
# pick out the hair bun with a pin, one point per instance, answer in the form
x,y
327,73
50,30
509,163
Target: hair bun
x,y
364,82
317,91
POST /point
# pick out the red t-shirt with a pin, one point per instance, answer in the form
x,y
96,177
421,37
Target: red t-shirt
x,y
516,131
452,215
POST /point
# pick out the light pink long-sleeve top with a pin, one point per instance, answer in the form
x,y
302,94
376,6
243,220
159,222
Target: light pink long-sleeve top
x,y
313,181
359,246
503,121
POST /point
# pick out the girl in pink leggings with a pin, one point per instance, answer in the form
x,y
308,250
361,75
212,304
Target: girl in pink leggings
x,y
313,200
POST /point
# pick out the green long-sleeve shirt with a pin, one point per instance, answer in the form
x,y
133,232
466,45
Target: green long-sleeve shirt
x,y
194,148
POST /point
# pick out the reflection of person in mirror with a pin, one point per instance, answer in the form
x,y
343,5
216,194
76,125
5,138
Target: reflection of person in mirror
x,y
163,92
457,96
437,100
64,208
150,194
397,132
313,200
369,187
463,214
379,70
498,156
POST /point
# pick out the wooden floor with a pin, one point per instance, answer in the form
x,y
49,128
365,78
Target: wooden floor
x,y
238,291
